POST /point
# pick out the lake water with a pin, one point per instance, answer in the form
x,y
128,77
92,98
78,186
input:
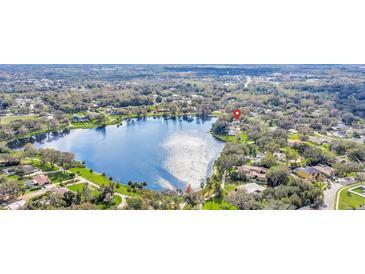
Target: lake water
x,y
167,154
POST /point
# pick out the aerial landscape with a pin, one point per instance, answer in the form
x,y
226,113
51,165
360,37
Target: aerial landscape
x,y
182,137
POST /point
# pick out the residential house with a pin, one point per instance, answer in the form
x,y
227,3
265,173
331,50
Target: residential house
x,y
79,119
40,180
309,173
315,173
253,172
251,188
26,169
325,170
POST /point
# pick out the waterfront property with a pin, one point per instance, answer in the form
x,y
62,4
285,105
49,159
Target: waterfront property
x,y
167,154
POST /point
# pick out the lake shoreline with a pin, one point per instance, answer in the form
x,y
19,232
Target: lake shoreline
x,y
196,153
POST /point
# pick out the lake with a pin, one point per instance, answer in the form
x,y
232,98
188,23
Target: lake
x,y
167,154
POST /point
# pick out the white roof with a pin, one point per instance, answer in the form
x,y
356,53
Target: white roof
x,y
252,187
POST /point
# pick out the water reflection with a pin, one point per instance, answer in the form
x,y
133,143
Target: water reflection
x,y
166,153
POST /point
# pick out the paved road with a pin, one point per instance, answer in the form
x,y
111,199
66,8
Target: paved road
x,y
330,196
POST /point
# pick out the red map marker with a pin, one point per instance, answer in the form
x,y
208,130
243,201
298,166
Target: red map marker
x,y
236,114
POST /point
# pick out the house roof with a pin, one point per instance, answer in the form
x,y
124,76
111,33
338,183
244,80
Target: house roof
x,y
307,170
325,169
40,179
246,168
252,187
27,169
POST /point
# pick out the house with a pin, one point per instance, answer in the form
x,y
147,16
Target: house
x,y
40,180
79,119
251,188
59,191
325,170
309,173
27,169
253,172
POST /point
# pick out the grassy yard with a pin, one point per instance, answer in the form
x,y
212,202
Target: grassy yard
x,y
217,204
349,200
233,139
38,164
76,187
94,192
101,180
60,176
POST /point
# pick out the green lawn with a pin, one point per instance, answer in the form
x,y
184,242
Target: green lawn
x,y
100,180
348,200
217,204
358,190
76,187
44,167
233,139
94,192
59,176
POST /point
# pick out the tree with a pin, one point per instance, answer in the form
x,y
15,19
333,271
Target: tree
x,y
66,159
106,194
30,150
10,189
134,203
268,161
71,198
357,154
243,200
220,127
277,175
